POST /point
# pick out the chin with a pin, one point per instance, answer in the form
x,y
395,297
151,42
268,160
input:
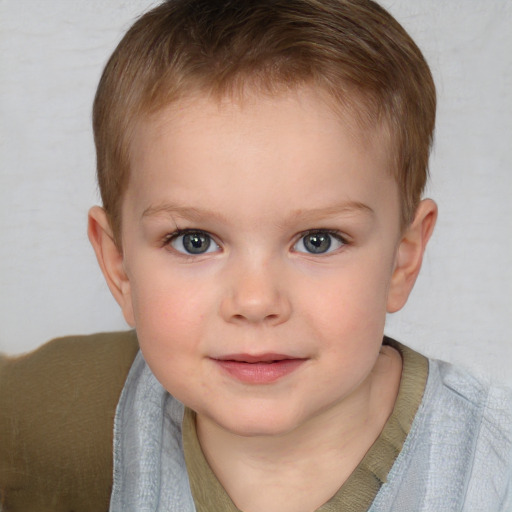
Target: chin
x,y
264,424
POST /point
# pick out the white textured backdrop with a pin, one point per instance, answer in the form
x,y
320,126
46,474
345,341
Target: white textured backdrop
x,y
51,56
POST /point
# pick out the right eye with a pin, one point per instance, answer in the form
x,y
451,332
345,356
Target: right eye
x,y
193,242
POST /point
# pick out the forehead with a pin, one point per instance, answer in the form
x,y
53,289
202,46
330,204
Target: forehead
x,y
199,109
256,143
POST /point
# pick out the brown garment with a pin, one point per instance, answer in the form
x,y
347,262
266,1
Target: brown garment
x,y
57,407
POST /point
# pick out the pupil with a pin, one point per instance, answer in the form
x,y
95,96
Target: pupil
x,y
317,243
196,243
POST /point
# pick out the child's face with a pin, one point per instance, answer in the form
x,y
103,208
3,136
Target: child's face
x,y
260,240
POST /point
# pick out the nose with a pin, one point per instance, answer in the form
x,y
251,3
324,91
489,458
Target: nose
x,y
255,294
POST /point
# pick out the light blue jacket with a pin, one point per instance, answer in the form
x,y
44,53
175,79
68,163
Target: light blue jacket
x,y
457,456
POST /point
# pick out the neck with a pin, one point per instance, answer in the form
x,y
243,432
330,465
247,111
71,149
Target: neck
x,y
301,469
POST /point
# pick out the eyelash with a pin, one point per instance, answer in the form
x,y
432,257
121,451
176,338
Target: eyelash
x,y
333,232
167,239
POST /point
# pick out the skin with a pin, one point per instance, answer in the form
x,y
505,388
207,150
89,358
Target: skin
x,y
256,175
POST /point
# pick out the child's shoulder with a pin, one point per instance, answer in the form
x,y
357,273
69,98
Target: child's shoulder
x,y
487,404
459,447
479,412
57,407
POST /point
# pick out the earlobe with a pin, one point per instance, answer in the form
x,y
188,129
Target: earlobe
x,y
410,254
110,260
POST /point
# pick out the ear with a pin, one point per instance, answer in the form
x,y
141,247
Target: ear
x,y
110,259
410,254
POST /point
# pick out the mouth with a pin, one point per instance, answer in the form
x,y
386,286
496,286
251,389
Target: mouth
x,y
254,359
258,369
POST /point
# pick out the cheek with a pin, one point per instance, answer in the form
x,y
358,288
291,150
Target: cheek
x,y
350,324
349,296
169,312
168,319
347,311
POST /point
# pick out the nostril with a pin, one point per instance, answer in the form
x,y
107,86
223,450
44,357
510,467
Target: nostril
x,y
270,318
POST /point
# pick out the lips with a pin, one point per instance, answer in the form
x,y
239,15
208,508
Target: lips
x,y
252,359
258,369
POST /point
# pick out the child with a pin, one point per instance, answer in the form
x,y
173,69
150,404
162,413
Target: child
x,y
261,166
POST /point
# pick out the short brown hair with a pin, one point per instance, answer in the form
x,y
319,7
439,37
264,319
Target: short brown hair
x,y
352,48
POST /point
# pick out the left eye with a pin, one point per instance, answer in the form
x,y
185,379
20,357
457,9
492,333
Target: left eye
x,y
319,242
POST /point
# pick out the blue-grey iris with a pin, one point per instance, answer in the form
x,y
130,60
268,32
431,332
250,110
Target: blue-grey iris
x,y
317,243
196,243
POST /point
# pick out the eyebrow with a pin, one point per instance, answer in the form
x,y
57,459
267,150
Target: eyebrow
x,y
347,207
187,212
302,214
